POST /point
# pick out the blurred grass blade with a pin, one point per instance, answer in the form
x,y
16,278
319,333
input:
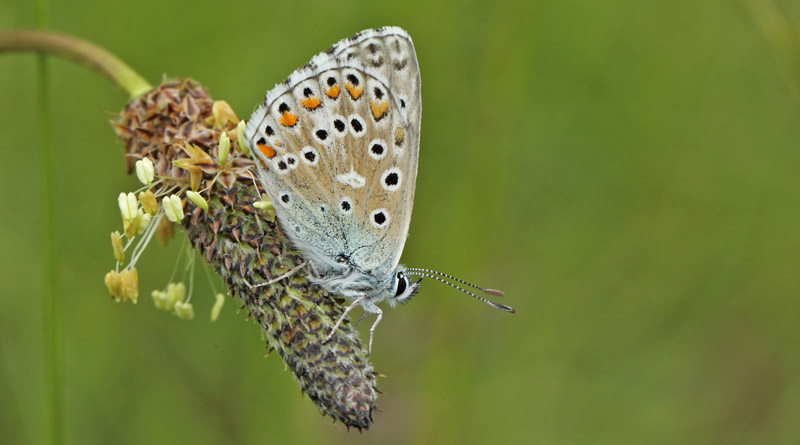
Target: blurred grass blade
x,y
52,312
781,35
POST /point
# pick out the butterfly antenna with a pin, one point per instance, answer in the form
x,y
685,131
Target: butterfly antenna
x,y
496,292
421,273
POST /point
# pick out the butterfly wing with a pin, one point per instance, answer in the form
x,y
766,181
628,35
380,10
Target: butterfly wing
x,y
336,148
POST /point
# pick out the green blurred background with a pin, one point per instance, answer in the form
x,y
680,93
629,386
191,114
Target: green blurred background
x,y
626,171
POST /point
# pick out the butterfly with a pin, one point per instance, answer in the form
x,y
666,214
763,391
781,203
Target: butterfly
x,y
336,147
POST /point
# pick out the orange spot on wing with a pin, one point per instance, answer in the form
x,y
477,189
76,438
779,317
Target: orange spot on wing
x,y
288,119
266,150
278,143
399,136
378,110
354,92
333,92
311,103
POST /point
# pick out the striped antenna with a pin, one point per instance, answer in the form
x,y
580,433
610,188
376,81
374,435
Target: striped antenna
x,y
496,292
438,277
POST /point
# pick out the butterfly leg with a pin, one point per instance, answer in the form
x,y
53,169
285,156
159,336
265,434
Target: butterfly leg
x,y
371,308
349,308
363,316
275,280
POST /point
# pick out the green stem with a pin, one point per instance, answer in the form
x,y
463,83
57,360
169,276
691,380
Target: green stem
x,y
79,51
52,310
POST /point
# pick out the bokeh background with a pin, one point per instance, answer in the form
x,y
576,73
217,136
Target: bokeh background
x,y
626,171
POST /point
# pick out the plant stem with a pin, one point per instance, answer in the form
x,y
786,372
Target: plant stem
x,y
52,310
80,52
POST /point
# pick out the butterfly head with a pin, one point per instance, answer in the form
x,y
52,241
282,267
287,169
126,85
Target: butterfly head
x,y
402,287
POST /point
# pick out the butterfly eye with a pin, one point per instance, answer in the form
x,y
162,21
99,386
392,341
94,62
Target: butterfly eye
x,y
402,284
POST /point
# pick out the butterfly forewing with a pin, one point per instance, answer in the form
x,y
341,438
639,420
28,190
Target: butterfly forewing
x,y
336,147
